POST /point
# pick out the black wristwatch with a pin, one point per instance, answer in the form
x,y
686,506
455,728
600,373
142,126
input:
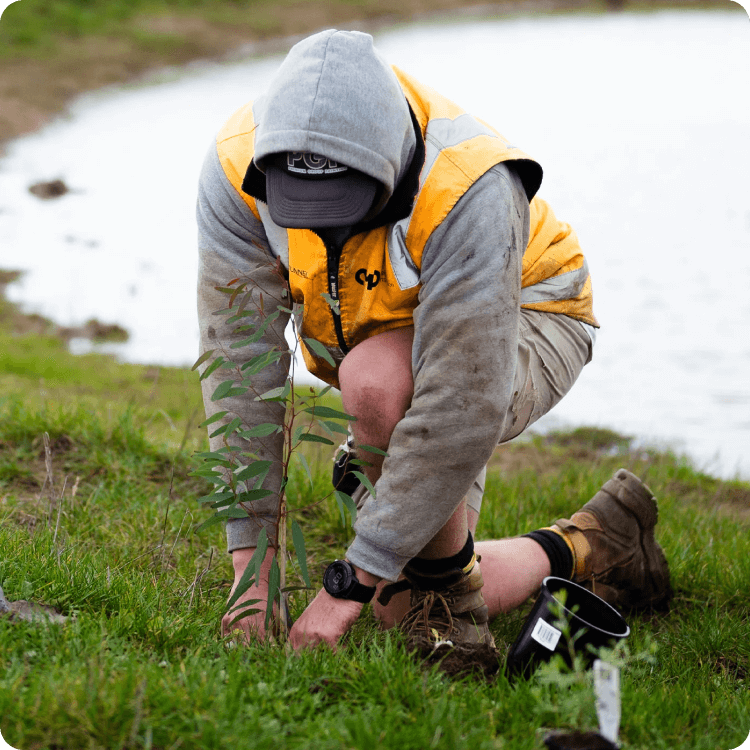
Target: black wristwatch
x,y
340,581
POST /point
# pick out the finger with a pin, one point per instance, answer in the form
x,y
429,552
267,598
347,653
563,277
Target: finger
x,y
303,639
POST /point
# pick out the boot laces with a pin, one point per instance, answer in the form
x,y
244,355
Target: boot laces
x,y
427,614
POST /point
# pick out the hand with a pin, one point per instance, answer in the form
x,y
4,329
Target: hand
x,y
325,620
253,626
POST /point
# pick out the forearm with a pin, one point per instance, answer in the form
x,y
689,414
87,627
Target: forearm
x,y
216,334
464,359
232,245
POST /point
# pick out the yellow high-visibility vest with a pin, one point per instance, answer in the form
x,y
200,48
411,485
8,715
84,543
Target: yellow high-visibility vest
x,y
379,270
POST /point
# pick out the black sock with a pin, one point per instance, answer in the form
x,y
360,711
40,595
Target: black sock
x,y
558,552
444,564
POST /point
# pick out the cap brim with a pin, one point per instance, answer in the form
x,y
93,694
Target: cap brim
x,y
297,203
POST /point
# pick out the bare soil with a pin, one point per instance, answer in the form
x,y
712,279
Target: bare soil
x,y
479,661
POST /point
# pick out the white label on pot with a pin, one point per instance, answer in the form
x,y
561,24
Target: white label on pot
x,y
607,689
545,634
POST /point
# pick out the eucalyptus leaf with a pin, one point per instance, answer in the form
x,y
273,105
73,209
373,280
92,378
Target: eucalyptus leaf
x,y
310,438
204,471
212,521
324,426
213,418
253,495
222,515
305,465
259,331
274,578
348,503
252,470
227,429
214,456
212,367
275,394
240,315
362,478
326,411
262,360
299,547
248,577
244,610
333,303
202,359
261,430
342,507
223,500
214,496
260,551
227,388
373,449
234,512
315,346
334,426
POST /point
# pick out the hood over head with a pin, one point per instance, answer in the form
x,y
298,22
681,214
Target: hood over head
x,y
334,95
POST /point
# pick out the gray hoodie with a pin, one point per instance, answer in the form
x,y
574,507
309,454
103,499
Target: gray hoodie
x,y
334,95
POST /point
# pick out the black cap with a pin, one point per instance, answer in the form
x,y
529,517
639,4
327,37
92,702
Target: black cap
x,y
311,191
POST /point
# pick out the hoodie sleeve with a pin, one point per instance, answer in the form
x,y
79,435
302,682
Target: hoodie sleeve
x,y
232,243
463,361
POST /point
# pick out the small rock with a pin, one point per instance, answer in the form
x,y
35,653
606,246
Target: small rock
x,y
29,611
48,190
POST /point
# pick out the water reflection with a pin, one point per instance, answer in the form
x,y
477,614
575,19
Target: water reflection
x,y
635,117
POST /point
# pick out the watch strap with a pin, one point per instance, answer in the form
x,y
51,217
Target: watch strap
x,y
356,591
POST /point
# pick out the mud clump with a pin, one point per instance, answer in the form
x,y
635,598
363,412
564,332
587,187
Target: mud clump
x,y
95,331
476,660
578,741
23,611
48,190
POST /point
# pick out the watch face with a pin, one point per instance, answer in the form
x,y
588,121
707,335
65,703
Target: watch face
x,y
338,578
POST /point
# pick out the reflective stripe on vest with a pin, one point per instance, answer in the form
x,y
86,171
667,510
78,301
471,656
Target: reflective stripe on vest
x,y
441,134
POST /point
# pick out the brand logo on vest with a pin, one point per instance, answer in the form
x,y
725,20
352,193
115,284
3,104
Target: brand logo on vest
x,y
369,279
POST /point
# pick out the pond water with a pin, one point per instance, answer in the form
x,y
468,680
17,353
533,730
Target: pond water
x,y
641,122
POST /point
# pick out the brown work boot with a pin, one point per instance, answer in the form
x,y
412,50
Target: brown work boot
x,y
448,621
614,551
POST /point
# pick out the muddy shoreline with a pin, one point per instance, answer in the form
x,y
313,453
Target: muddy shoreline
x,y
34,90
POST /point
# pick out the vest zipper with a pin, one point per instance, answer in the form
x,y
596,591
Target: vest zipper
x,y
333,254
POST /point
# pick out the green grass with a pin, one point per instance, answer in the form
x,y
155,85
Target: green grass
x,y
36,27
38,24
111,543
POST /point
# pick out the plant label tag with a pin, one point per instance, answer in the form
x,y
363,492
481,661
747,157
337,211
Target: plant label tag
x,y
545,634
607,689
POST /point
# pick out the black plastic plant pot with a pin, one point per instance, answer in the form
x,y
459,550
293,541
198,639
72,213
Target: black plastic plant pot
x,y
578,741
593,622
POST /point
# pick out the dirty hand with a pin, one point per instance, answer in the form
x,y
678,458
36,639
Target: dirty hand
x,y
251,627
325,620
